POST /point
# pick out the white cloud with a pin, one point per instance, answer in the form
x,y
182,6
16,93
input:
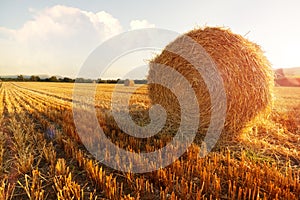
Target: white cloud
x,y
139,24
56,41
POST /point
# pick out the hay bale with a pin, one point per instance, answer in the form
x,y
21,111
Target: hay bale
x,y
246,73
128,82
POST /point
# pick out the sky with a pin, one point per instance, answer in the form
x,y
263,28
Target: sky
x,y
56,37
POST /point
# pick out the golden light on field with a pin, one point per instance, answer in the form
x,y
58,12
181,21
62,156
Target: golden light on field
x,y
219,117
41,156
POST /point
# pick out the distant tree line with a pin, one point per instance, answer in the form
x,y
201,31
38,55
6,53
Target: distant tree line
x,y
32,78
21,78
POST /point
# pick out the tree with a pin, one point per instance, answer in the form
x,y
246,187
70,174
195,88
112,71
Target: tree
x,y
67,80
53,79
35,78
20,78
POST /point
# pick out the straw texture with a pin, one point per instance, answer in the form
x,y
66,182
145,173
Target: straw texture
x,y
246,73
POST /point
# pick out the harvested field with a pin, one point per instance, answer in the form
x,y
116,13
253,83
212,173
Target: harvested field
x,y
41,156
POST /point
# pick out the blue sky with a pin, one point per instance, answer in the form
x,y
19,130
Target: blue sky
x,y
55,37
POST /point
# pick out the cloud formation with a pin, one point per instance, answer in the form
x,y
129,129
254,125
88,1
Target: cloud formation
x,y
56,41
139,24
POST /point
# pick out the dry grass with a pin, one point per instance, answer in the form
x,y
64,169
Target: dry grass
x,y
38,121
246,74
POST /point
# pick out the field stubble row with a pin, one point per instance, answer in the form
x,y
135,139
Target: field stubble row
x,y
42,156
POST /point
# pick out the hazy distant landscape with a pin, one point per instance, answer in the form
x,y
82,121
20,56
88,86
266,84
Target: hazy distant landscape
x,y
287,77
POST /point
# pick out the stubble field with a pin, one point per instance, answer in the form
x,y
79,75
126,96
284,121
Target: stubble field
x,y
42,157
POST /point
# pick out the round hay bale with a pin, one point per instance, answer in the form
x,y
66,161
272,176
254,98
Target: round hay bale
x,y
128,82
246,73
